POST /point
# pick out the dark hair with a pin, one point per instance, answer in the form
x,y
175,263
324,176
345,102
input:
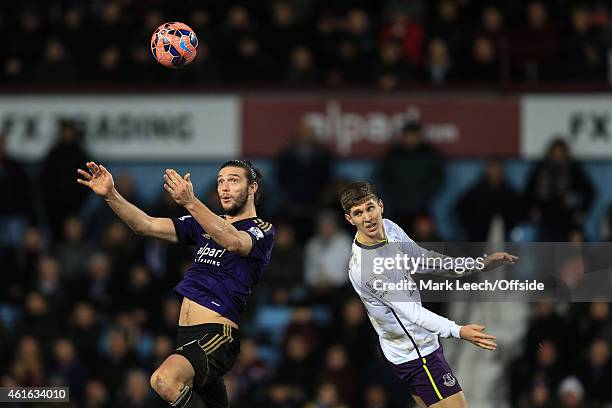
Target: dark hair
x,y
253,175
357,193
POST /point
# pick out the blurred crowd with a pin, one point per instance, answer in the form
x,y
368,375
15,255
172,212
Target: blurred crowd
x,y
325,43
86,303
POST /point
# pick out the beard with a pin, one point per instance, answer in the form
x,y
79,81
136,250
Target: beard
x,y
238,206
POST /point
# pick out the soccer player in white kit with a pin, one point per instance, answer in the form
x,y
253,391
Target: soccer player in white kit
x,y
408,332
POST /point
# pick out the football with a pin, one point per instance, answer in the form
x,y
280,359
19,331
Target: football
x,y
174,44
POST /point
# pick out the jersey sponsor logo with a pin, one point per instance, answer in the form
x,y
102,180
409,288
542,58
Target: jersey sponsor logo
x,y
449,380
209,253
256,232
184,217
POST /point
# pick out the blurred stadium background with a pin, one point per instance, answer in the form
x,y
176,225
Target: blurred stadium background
x,y
478,120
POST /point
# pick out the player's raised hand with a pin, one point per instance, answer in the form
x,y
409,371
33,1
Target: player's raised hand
x,y
497,259
475,334
98,179
179,187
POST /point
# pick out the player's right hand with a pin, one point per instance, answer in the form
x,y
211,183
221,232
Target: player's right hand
x,y
98,179
475,334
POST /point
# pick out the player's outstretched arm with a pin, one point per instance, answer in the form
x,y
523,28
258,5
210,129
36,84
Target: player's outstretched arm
x,y
220,230
497,259
100,181
475,334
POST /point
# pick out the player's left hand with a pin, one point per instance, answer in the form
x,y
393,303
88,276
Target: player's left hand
x,y
497,259
179,187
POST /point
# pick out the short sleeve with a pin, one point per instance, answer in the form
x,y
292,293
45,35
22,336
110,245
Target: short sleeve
x,y
187,229
262,236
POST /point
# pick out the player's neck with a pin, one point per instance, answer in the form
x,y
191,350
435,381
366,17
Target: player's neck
x,y
247,213
366,240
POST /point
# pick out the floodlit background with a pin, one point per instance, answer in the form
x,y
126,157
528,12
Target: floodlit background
x,y
515,144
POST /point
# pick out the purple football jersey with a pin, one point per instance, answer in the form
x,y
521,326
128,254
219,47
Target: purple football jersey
x,y
219,279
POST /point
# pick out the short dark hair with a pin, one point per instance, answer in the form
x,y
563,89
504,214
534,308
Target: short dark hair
x,y
411,126
252,174
357,193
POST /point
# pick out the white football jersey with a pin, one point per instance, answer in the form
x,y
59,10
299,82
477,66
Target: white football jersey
x,y
389,310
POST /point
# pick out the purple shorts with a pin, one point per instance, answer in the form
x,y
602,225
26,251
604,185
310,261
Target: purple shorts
x,y
433,383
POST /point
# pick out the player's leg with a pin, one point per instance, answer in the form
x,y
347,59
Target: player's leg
x,y
454,401
221,356
214,394
432,381
173,380
419,401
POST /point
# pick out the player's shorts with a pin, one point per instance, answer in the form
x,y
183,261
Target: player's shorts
x,y
211,349
432,381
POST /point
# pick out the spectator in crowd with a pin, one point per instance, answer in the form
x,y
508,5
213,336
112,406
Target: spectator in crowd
x,y
534,44
392,68
62,196
327,255
424,229
280,395
297,365
74,251
286,268
354,333
250,371
284,32
338,370
67,369
116,360
404,29
16,206
376,397
582,57
27,367
571,393
449,28
84,331
23,261
411,165
137,392
484,62
303,169
56,67
559,193
302,67
96,395
98,286
439,65
596,373
340,38
37,321
490,199
327,397
51,285
539,397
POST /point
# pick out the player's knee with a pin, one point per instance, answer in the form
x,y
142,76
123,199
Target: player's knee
x,y
165,384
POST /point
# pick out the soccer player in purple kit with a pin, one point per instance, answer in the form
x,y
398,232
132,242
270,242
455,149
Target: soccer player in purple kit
x,y
232,252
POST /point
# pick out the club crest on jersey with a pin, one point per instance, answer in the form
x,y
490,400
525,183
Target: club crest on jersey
x,y
372,287
256,232
449,380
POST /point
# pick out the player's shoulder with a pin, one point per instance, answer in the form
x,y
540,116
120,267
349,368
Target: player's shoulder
x,y
258,227
393,231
